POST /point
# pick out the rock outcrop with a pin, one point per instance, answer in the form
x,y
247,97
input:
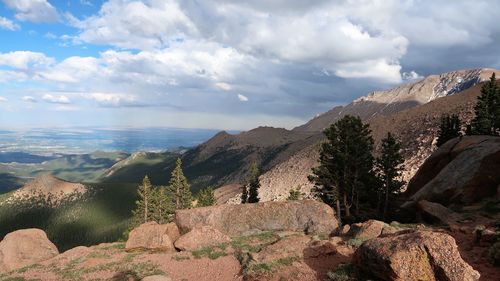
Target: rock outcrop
x,y
306,216
24,247
197,238
418,255
463,170
153,236
369,229
437,213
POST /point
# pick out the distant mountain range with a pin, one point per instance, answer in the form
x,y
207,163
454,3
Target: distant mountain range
x,y
411,111
285,157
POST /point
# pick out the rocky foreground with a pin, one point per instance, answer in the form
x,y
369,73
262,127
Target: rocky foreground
x,y
455,193
297,240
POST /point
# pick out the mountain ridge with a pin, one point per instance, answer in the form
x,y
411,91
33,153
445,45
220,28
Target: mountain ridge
x,y
405,96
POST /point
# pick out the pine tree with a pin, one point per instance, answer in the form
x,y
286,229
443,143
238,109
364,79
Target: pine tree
x,y
162,207
346,164
450,128
142,212
244,194
486,109
495,107
389,168
206,197
253,184
179,188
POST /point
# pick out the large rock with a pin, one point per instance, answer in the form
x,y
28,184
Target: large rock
x,y
24,247
463,170
369,229
437,213
204,236
153,236
418,255
306,216
287,247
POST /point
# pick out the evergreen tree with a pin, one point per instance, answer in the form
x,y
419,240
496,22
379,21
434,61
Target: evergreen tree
x,y
244,194
495,107
253,184
142,212
206,197
486,120
389,168
179,188
450,128
162,207
346,164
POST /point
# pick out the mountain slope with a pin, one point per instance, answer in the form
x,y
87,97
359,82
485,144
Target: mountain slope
x,y
49,185
382,103
71,167
223,159
416,128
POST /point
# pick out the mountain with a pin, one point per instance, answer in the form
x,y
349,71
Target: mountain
x,y
223,159
70,167
416,128
48,185
383,103
285,157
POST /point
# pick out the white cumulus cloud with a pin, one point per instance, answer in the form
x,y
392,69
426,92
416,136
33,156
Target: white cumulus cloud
x,y
62,99
29,99
33,10
8,24
24,59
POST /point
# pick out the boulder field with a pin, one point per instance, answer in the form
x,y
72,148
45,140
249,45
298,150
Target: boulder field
x,y
292,247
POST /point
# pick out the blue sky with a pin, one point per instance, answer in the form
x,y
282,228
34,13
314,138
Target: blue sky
x,y
224,64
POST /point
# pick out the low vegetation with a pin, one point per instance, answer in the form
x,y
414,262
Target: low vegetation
x,y
262,268
344,272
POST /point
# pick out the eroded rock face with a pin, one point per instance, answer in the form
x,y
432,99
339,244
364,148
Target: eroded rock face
x,y
306,216
24,247
153,236
418,255
463,170
200,237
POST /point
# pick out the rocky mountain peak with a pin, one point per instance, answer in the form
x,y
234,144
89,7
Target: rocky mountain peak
x,y
386,102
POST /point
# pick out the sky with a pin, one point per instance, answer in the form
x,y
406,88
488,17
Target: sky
x,y
224,64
